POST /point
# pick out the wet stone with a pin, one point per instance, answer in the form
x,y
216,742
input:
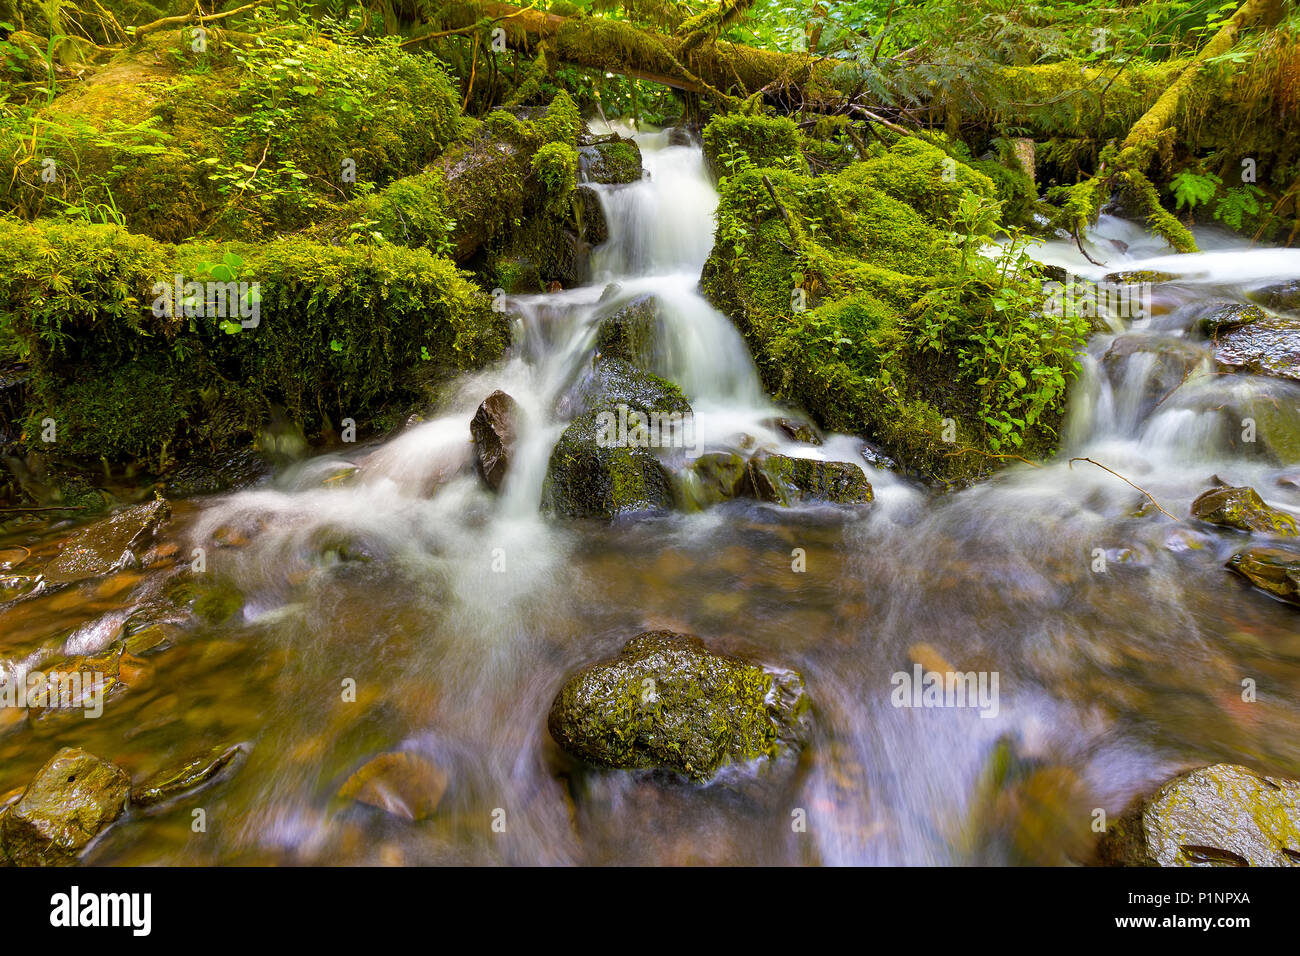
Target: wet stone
x,y
1222,815
1243,509
195,772
73,798
405,785
107,545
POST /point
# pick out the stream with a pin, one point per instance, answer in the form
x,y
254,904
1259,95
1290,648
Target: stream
x,y
1119,640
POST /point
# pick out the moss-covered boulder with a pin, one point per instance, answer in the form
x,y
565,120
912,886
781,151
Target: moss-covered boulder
x,y
253,136
73,798
1274,570
736,141
611,382
865,300
667,701
1222,815
612,160
107,545
1243,509
786,481
591,475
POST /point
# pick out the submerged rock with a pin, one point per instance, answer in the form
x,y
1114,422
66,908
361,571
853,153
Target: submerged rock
x,y
1170,363
1243,509
495,428
1222,815
403,784
713,478
1271,569
74,797
786,481
667,701
108,545
195,772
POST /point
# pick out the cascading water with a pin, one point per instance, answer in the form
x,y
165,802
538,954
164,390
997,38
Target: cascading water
x,y
1119,642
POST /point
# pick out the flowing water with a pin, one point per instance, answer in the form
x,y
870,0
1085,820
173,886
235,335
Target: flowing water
x,y
458,613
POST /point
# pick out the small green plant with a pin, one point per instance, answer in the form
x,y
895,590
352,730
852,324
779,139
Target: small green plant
x,y
1193,189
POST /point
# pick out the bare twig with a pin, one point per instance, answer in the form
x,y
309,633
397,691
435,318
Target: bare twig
x,y
1126,481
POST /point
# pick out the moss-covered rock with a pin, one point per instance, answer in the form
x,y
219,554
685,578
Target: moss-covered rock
x,y
588,477
73,798
1228,315
712,478
613,161
1274,570
861,307
786,481
1222,815
250,138
666,701
1243,509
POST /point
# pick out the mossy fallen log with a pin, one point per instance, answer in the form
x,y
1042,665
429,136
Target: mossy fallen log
x,y
139,349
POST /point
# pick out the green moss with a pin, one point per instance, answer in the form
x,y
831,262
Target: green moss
x,y
344,332
735,141
666,701
909,335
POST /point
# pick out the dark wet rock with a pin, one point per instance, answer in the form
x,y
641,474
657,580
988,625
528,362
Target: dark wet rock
x,y
15,586
1171,362
1222,815
74,797
1243,509
632,333
593,228
1274,570
875,456
1265,347
713,478
213,475
786,481
1281,297
610,291
680,136
403,784
614,382
195,772
612,161
588,477
1228,315
105,546
495,428
667,701
796,429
